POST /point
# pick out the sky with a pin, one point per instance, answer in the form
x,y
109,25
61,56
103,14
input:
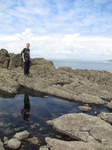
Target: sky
x,y
57,29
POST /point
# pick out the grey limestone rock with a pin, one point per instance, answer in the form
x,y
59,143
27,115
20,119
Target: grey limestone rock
x,y
55,144
1,124
1,145
90,99
83,127
87,86
14,143
44,147
109,105
5,140
15,61
7,83
106,116
22,135
85,108
33,140
4,58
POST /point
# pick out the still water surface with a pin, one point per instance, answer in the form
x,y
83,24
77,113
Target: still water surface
x,y
13,117
90,65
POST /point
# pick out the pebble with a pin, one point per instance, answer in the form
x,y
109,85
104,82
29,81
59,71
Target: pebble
x,y
43,148
33,140
14,143
1,124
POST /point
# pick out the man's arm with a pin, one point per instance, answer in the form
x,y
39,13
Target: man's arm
x,y
29,55
23,57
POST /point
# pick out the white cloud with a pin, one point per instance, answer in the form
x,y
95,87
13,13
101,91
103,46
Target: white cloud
x,y
46,16
57,29
59,46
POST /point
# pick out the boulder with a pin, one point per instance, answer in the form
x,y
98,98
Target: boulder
x,y
85,108
55,144
22,135
1,124
5,140
4,58
43,148
7,82
14,143
109,105
83,127
106,116
1,145
15,61
41,61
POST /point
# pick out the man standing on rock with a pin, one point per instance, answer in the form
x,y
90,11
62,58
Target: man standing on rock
x,y
26,59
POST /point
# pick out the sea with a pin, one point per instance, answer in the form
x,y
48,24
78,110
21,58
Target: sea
x,y
83,64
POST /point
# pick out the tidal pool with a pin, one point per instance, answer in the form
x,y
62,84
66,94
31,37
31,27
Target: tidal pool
x,y
25,112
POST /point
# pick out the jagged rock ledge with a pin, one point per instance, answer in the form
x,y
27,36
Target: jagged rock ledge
x,y
87,86
91,132
56,144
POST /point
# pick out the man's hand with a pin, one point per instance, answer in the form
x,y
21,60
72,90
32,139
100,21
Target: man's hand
x,y
23,60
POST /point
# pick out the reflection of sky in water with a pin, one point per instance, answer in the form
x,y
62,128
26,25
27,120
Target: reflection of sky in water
x,y
42,109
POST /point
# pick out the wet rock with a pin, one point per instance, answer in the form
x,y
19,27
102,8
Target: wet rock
x,y
14,143
1,145
1,124
43,148
41,129
109,105
5,139
20,128
96,113
85,108
106,116
8,131
35,125
22,135
33,140
18,140
45,96
55,144
7,125
83,127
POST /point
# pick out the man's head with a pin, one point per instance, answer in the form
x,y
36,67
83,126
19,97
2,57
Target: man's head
x,y
27,45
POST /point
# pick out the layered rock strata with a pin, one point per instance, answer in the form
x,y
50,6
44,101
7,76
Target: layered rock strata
x,y
91,132
87,86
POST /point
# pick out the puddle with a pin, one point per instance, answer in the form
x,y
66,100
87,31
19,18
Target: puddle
x,y
17,114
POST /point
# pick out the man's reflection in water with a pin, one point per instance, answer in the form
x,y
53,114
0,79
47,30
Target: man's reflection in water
x,y
26,110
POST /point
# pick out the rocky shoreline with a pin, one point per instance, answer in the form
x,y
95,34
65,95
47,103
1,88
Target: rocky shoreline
x,y
90,87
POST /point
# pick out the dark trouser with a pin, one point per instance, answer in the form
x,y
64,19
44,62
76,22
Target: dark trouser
x,y
26,66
